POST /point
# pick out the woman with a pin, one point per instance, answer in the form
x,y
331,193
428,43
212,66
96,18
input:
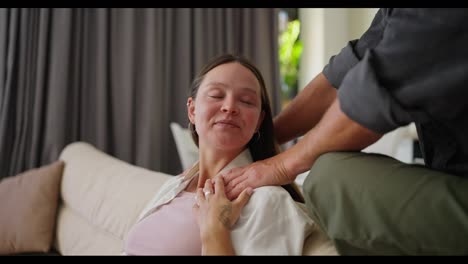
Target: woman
x,y
231,123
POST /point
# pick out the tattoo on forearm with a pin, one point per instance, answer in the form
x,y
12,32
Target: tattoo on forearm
x,y
225,216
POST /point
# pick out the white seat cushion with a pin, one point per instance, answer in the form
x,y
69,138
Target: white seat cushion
x,y
101,199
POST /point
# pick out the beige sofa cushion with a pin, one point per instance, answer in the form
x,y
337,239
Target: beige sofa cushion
x,y
101,199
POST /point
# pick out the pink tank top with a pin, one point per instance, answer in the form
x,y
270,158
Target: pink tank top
x,y
171,230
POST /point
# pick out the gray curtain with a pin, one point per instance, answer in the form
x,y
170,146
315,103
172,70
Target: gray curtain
x,y
115,78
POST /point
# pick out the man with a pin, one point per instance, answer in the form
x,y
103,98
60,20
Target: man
x,y
411,65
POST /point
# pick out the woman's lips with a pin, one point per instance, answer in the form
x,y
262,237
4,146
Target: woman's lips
x,y
226,123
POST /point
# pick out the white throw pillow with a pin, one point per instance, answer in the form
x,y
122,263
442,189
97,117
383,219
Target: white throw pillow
x,y
188,151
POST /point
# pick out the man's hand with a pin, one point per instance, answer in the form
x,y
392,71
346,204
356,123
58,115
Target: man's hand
x,y
266,172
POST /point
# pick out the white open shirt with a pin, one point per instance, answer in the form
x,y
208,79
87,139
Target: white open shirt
x,y
271,223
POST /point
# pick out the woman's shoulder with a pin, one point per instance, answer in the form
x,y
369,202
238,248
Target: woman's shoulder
x,y
273,197
270,189
274,202
270,194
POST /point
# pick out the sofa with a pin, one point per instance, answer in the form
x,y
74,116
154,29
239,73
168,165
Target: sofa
x,y
101,198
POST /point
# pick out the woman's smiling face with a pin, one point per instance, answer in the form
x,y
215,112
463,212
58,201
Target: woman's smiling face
x,y
227,110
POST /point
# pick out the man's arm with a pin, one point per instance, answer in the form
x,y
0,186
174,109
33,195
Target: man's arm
x,y
305,111
334,132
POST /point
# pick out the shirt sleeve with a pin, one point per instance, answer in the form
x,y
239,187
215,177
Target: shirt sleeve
x,y
416,72
339,65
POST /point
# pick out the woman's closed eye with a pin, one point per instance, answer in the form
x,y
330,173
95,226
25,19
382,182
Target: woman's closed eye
x,y
216,95
247,102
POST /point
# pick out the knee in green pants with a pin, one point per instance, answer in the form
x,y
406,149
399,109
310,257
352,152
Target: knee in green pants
x,y
373,204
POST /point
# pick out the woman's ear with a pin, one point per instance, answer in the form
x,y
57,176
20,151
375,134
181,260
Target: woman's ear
x,y
260,120
191,109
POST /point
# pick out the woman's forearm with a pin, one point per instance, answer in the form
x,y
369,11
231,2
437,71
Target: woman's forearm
x,y
305,111
217,243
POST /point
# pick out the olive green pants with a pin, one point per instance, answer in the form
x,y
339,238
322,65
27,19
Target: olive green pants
x,y
371,204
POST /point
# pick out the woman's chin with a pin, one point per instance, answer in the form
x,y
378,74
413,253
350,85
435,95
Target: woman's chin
x,y
231,146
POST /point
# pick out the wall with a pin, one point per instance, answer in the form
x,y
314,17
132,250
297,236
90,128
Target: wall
x,y
325,31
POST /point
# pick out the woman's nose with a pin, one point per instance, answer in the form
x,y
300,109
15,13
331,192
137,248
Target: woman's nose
x,y
229,107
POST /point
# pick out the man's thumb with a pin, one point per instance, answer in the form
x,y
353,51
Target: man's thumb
x,y
244,197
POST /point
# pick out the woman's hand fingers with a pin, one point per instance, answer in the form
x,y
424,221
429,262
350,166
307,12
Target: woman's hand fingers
x,y
208,189
219,186
213,210
196,212
200,197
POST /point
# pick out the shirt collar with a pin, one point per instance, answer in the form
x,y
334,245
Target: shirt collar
x,y
243,159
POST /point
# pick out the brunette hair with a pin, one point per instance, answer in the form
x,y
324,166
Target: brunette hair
x,y
262,145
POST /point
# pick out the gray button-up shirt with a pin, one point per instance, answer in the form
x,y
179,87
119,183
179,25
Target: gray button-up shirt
x,y
411,65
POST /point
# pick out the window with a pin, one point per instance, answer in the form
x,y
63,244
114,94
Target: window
x,y
290,50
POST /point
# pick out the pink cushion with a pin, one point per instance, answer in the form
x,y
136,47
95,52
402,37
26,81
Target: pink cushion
x,y
28,205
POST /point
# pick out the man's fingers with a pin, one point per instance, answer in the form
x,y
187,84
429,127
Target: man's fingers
x,y
232,174
239,183
244,197
236,182
234,193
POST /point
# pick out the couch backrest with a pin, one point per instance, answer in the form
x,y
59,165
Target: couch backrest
x,y
101,198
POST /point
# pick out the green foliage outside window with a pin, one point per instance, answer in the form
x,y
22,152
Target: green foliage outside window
x,y
290,50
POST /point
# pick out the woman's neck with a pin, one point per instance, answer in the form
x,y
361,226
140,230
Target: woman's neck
x,y
212,161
